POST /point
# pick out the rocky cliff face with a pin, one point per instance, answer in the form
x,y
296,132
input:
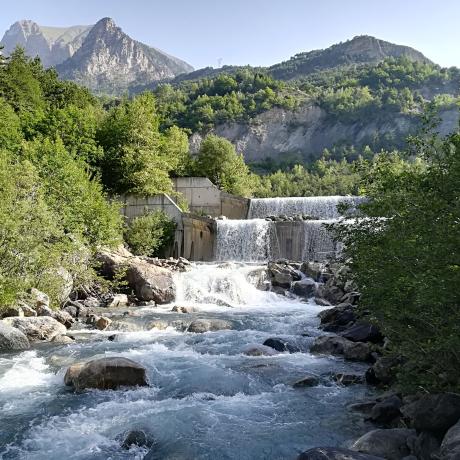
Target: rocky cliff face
x,y
101,57
306,132
110,60
52,44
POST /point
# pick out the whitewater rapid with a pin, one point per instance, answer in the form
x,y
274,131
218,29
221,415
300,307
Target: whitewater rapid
x,y
206,399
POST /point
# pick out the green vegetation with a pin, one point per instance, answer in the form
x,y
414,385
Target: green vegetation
x,y
54,213
218,160
200,105
404,257
149,234
324,177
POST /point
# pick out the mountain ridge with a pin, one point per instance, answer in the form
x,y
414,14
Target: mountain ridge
x,y
101,57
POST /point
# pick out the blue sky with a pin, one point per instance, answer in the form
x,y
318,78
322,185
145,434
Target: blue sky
x,y
257,32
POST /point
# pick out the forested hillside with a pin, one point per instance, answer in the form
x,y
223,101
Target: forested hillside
x,y
281,123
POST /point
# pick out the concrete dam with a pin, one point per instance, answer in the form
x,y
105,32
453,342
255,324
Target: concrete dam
x,y
223,227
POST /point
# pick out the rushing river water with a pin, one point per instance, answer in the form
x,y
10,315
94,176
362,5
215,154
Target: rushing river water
x,y
206,399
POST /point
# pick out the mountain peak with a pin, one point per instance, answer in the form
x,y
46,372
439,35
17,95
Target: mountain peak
x,y
105,23
109,60
360,50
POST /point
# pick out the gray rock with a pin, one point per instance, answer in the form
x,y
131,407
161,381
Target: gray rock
x,y
38,328
106,373
139,438
384,370
334,453
304,287
363,332
182,309
118,300
151,282
336,345
450,446
358,351
259,350
434,413
307,381
391,444
387,410
64,339
348,379
63,317
208,325
102,323
157,324
281,345
12,338
426,446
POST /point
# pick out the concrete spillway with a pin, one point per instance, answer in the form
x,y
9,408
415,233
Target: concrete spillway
x,y
319,207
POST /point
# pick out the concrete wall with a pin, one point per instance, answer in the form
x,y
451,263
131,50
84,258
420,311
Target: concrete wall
x,y
234,207
288,240
199,238
135,206
202,196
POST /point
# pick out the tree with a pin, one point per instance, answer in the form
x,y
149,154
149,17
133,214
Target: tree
x,y
10,128
138,158
405,260
218,160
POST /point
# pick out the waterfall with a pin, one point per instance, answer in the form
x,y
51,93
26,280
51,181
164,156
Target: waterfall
x,y
225,284
319,245
320,207
243,240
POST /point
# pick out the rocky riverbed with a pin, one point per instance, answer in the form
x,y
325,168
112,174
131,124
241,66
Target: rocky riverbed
x,y
211,361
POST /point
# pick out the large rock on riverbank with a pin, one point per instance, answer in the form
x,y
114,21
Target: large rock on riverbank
x,y
12,338
392,444
434,413
336,345
105,374
150,281
37,328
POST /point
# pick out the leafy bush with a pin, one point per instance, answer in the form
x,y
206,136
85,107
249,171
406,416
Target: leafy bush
x,y
405,260
218,160
149,234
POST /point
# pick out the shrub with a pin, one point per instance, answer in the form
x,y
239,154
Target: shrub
x,y
149,234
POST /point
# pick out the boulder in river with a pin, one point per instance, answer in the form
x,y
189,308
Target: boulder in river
x,y
391,444
105,373
102,323
37,328
208,325
139,438
118,300
336,345
348,379
151,282
259,350
12,338
148,280
281,345
304,288
435,413
334,453
307,381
